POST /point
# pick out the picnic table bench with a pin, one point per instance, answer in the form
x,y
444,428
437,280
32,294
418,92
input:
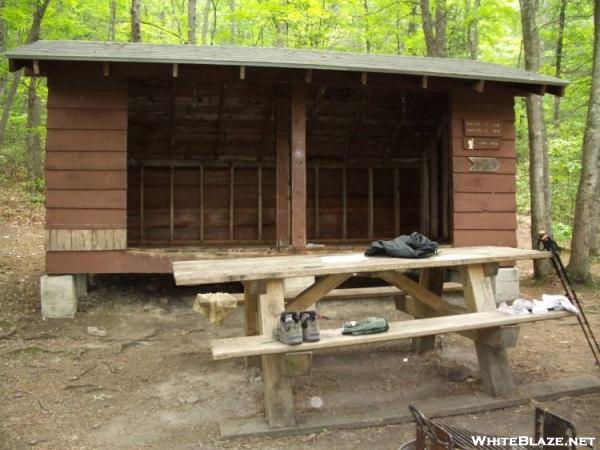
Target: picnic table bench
x,y
264,301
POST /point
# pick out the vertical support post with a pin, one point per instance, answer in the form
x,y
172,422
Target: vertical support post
x,y
201,203
282,169
424,197
344,203
431,279
370,203
298,163
496,374
279,402
433,191
231,201
260,203
396,202
142,218
317,202
172,204
252,291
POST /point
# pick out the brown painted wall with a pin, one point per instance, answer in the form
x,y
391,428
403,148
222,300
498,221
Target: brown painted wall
x,y
484,205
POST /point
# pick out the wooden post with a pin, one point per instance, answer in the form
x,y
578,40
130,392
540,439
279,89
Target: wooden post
x,y
279,402
496,374
298,163
282,170
317,202
433,192
252,291
432,280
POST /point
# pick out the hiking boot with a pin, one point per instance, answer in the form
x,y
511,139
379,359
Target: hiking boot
x,y
310,329
288,329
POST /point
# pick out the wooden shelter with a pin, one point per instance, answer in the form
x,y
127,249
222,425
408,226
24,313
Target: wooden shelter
x,y
157,153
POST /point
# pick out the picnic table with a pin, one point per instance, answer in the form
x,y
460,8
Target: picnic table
x,y
263,280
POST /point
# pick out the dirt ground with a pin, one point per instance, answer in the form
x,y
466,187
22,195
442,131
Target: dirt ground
x,y
150,382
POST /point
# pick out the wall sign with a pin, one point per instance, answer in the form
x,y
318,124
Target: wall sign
x,y
477,143
482,127
479,164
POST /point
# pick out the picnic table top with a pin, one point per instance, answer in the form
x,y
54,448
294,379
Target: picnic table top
x,y
261,268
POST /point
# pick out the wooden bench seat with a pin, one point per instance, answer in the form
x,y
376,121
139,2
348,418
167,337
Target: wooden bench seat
x,y
333,338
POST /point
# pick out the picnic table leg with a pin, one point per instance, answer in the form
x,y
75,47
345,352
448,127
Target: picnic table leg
x,y
279,402
496,374
252,290
433,280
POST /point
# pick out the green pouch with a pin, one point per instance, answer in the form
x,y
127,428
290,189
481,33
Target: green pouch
x,y
368,326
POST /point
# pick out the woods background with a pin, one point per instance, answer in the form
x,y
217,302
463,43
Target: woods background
x,y
555,37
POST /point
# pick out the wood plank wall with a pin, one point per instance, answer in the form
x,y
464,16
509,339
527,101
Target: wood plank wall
x,y
86,170
484,205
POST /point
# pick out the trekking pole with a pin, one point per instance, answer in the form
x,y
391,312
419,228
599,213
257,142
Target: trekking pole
x,y
547,243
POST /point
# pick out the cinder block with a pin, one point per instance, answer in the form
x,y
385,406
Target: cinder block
x,y
58,296
507,284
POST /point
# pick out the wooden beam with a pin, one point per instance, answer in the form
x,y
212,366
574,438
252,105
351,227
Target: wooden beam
x,y
231,201
201,203
105,69
363,78
298,164
424,82
316,184
259,207
36,67
282,170
433,191
433,281
175,70
317,291
242,72
396,202
371,204
142,204
344,203
308,76
172,204
417,291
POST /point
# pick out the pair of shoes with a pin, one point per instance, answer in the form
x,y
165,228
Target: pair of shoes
x,y
294,328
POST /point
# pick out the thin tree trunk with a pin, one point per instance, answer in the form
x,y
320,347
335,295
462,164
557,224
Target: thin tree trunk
x,y
538,162
366,19
136,29
233,22
435,32
473,32
595,245
558,60
281,34
34,145
213,30
205,13
112,23
587,196
192,22
32,36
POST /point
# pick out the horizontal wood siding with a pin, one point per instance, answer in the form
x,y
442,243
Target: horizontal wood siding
x,y
484,206
86,165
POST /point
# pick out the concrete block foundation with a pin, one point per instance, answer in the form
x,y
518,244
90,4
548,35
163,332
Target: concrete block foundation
x,y
58,296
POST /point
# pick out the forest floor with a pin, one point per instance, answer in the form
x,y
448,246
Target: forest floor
x,y
150,383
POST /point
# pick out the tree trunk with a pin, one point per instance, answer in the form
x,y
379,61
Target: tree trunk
x,y
34,145
32,36
595,245
213,30
558,60
112,23
205,13
587,196
538,162
233,22
473,32
192,22
435,32
136,29
366,19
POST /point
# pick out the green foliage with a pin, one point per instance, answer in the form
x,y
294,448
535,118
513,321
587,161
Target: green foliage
x,y
377,26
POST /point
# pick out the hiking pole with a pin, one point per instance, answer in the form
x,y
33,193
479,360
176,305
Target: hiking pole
x,y
550,245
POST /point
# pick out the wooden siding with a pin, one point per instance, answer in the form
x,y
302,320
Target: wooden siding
x,y
484,206
86,164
